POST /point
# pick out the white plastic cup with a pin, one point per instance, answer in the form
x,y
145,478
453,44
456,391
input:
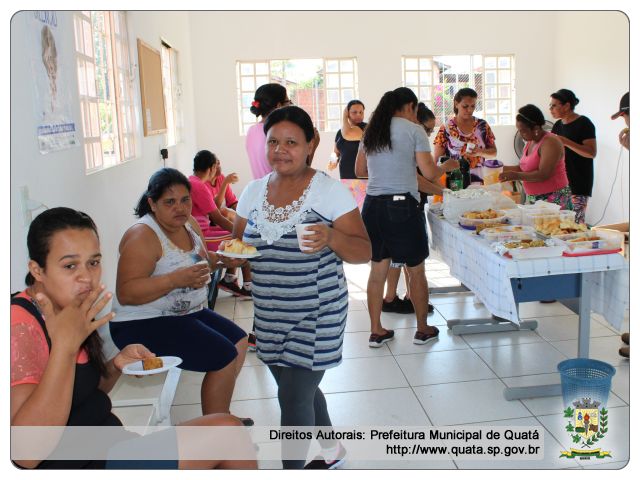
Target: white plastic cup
x,y
301,229
205,262
470,147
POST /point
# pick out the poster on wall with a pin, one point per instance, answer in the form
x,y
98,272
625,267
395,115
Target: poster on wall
x,y
56,129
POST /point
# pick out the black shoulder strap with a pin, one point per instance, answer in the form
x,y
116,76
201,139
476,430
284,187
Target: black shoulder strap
x,y
31,308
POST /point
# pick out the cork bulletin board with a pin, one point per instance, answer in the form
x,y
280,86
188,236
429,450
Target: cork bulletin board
x,y
153,114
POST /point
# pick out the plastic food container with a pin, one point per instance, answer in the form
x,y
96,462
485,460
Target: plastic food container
x,y
491,170
514,215
540,207
472,222
507,233
536,252
592,242
537,220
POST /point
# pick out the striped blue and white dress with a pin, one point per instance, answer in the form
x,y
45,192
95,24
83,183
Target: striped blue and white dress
x,y
300,300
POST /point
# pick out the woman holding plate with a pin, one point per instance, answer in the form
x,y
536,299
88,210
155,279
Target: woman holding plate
x,y
161,291
59,376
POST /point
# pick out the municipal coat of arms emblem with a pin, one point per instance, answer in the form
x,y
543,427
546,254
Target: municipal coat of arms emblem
x,y
586,425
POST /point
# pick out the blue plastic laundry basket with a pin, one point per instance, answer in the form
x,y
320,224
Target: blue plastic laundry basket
x,y
585,378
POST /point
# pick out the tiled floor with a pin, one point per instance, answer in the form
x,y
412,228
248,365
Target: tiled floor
x,y
457,380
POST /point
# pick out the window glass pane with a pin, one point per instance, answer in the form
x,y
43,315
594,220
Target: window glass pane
x,y
261,80
247,98
334,111
504,62
425,93
490,62
247,84
491,106
262,68
346,80
505,120
504,76
477,62
411,78
332,66
334,125
247,116
492,91
505,91
88,41
246,69
347,95
490,76
333,96
425,64
505,106
491,119
346,65
333,81
411,63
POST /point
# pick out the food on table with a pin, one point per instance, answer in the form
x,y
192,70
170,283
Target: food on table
x,y
555,226
586,238
480,227
238,246
481,215
525,243
152,363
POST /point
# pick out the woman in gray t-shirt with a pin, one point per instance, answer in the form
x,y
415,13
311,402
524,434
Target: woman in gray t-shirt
x,y
393,144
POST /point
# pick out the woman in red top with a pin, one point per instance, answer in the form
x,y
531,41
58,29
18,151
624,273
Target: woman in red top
x,y
541,168
59,376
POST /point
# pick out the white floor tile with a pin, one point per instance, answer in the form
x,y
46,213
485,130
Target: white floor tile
x,y
358,321
548,405
244,309
620,382
499,339
468,402
551,458
363,374
403,342
138,416
438,298
600,348
521,359
443,367
356,345
188,391
391,407
460,310
537,309
355,304
225,308
255,382
616,440
566,327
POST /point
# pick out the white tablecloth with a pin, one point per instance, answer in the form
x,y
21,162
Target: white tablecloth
x,y
488,275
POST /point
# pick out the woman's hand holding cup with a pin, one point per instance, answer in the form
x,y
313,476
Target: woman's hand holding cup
x,y
195,276
313,237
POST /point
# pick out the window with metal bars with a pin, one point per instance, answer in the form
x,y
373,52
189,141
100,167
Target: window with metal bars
x,y
436,79
321,86
105,83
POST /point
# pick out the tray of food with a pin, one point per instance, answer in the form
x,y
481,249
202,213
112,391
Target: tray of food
x,y
591,242
527,249
508,232
473,218
539,207
561,223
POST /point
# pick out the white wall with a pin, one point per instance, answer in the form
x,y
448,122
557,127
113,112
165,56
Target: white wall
x,y
58,179
594,62
578,50
376,39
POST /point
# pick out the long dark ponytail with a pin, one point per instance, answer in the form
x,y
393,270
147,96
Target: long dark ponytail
x,y
377,136
41,231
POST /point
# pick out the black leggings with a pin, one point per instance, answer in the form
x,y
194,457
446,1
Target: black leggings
x,y
301,404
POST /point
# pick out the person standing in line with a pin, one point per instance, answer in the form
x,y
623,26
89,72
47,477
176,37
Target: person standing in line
x,y
346,149
624,139
392,146
578,135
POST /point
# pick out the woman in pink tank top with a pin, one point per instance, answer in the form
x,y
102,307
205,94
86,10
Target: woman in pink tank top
x,y
541,170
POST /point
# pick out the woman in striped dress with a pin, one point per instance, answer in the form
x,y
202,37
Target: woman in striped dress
x,y
300,299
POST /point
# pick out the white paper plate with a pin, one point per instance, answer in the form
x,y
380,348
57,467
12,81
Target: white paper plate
x,y
238,255
135,368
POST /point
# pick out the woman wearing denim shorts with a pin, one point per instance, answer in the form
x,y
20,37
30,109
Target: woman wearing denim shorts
x,y
392,146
